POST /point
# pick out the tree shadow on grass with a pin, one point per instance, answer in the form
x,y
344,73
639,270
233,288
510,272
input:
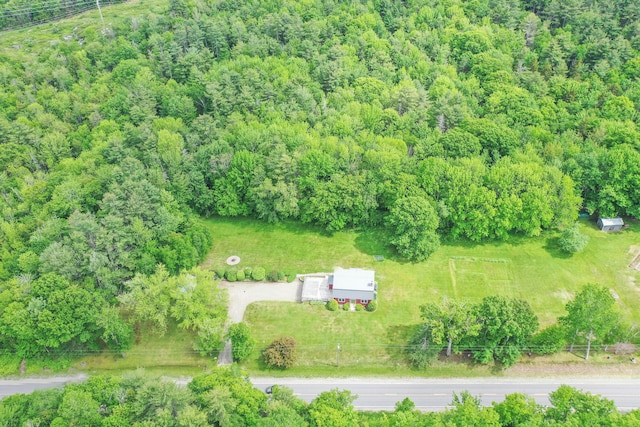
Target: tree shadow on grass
x,y
257,225
376,242
552,246
399,337
464,358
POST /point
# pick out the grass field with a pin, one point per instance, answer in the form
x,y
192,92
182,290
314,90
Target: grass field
x,y
171,354
44,35
531,269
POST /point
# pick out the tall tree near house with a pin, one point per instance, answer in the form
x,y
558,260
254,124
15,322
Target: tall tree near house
x,y
413,221
345,200
591,314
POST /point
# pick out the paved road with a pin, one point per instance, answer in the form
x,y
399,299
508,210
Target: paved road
x,y
427,394
436,394
27,385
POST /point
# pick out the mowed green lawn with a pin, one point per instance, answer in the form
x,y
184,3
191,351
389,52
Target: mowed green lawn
x,y
531,269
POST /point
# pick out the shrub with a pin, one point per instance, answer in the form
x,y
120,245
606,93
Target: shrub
x,y
549,340
346,306
572,241
359,307
242,342
373,305
247,272
332,305
220,273
258,274
281,276
272,276
231,275
281,353
240,275
290,275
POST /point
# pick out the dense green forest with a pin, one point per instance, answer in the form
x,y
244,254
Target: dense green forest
x,y
226,398
437,119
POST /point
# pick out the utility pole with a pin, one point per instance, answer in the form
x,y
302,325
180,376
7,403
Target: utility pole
x,y
338,356
104,27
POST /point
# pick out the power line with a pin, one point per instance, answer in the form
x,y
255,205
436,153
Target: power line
x,y
312,347
104,27
15,18
44,7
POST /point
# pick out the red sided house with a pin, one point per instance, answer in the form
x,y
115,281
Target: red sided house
x,y
353,285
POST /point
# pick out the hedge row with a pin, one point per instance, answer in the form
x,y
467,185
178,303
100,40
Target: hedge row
x,y
257,274
332,305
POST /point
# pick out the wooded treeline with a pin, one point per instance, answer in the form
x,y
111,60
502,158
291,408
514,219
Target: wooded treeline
x,y
226,398
470,120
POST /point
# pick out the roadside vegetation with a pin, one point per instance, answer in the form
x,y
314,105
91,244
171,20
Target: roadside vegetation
x,y
224,397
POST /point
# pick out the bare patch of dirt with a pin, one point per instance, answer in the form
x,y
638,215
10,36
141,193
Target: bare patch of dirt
x,y
563,295
619,360
574,369
635,261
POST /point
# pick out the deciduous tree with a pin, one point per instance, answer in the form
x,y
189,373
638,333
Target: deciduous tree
x,y
413,222
333,409
591,314
242,343
450,322
572,241
282,353
506,326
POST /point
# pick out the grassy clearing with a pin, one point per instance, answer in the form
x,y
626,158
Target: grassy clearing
x,y
172,353
531,269
42,36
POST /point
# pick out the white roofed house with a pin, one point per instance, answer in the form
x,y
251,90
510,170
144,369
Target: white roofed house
x,y
353,285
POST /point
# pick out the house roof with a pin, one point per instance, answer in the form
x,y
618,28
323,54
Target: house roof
x,y
355,279
608,222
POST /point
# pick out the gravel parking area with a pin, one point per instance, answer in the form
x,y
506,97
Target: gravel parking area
x,y
241,294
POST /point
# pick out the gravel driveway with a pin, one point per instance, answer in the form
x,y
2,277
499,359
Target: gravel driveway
x,y
241,294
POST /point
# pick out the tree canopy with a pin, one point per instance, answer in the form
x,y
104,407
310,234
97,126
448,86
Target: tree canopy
x,y
591,314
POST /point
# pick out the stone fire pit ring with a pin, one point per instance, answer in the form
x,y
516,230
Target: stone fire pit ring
x,y
233,260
